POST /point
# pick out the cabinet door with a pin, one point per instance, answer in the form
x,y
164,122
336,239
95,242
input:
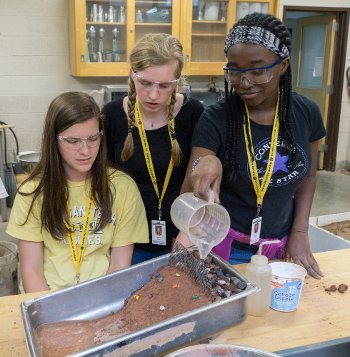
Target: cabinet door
x,y
102,32
203,35
98,37
204,26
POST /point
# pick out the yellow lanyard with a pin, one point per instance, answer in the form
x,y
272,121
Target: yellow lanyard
x,y
78,253
260,190
148,158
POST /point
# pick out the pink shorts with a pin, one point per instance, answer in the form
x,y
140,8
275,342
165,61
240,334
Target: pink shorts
x,y
223,249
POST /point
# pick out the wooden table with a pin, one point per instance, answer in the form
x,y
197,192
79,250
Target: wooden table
x,y
320,316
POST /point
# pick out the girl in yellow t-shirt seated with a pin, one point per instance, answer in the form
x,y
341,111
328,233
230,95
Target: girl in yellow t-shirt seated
x,y
75,217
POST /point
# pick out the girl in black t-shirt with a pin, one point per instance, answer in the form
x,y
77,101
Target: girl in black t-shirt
x,y
149,134
258,147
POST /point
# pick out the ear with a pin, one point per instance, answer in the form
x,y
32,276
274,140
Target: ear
x,y
284,65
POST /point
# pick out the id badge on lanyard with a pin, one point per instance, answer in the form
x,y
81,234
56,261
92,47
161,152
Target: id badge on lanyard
x,y
158,232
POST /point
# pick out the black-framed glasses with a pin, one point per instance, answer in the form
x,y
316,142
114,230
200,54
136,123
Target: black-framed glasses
x,y
77,143
257,75
163,87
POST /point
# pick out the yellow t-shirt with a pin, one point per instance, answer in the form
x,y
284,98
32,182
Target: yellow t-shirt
x,y
128,225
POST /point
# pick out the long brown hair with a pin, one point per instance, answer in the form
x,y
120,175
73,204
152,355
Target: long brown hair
x,y
64,111
154,49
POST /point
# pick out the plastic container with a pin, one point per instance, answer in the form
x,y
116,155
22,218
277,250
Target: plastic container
x,y
287,283
259,272
222,350
28,160
205,223
8,268
211,11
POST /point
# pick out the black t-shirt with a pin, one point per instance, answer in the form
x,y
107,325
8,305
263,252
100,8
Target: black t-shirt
x,y
238,196
116,127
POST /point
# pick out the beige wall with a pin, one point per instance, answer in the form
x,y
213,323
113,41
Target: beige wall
x,y
343,151
34,65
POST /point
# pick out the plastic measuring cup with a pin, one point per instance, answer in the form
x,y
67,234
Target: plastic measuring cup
x,y
205,223
287,283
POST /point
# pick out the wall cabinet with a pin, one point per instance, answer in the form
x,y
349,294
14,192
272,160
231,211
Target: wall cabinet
x,y
102,32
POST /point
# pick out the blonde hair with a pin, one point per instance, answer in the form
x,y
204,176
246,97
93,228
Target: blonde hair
x,y
155,49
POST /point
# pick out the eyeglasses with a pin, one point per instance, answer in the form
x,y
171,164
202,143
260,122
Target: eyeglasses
x,y
76,143
258,75
163,87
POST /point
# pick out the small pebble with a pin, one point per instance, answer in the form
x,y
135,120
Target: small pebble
x,y
221,282
220,291
161,307
342,288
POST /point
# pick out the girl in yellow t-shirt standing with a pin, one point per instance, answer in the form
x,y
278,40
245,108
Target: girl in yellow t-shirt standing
x,y
75,217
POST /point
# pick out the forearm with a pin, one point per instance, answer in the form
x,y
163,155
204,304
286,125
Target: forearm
x,y
120,258
206,175
33,280
31,259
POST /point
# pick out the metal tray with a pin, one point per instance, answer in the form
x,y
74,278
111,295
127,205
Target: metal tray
x,y
107,294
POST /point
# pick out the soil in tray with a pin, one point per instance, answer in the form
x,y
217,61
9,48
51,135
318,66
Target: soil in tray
x,y
341,229
170,292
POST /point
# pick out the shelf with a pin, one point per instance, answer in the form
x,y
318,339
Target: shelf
x,y
209,22
111,2
262,1
151,2
105,23
158,24
208,34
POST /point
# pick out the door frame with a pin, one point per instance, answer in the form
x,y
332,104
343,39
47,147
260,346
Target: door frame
x,y
335,98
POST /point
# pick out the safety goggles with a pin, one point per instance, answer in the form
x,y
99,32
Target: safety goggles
x,y
77,143
163,87
257,75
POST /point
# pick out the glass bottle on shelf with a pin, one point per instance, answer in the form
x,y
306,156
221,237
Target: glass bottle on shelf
x,y
121,15
104,41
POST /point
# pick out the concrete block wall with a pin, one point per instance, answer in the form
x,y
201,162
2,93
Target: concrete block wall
x,y
34,66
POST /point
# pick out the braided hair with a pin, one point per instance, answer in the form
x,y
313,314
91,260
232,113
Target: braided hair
x,y
154,49
275,37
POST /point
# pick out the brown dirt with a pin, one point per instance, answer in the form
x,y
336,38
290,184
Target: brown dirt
x,y
341,229
170,292
157,300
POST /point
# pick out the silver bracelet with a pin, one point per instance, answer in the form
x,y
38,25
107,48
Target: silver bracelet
x,y
195,163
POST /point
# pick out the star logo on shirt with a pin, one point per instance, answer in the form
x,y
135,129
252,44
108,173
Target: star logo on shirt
x,y
279,163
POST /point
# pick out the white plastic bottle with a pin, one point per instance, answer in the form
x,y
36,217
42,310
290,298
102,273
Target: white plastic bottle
x,y
259,272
